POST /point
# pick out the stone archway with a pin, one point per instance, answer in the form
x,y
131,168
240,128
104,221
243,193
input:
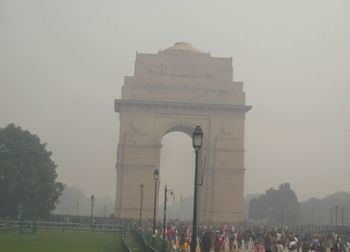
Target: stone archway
x,y
175,90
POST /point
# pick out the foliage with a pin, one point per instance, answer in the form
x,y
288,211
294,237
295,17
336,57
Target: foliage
x,y
27,174
276,206
258,208
246,203
318,211
57,241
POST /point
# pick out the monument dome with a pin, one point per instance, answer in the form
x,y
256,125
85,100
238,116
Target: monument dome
x,y
183,46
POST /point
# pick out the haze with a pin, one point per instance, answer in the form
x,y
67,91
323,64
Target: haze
x,y
62,65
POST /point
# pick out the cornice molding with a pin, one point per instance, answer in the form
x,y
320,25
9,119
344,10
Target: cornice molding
x,y
120,104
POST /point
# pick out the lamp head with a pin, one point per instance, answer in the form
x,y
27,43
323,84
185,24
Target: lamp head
x,y
197,138
141,187
156,175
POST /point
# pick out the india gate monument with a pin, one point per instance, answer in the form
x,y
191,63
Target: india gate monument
x,y
177,89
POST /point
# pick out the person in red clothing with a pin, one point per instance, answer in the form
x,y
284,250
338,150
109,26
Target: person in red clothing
x,y
219,242
169,233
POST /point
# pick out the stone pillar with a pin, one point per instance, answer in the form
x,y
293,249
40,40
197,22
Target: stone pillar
x,y
134,167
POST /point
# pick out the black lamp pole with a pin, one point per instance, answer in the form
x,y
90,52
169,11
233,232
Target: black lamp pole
x,y
20,212
77,203
35,204
164,218
92,206
155,177
141,190
197,139
336,215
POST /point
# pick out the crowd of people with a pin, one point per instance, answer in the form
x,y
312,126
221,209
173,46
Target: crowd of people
x,y
257,238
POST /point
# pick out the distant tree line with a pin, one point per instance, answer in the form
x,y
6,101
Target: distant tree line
x,y
276,206
332,209
281,205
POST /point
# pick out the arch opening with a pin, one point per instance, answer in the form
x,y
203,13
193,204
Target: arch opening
x,y
185,129
177,161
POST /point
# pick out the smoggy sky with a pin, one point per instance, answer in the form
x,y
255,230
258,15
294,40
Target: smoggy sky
x,y
62,65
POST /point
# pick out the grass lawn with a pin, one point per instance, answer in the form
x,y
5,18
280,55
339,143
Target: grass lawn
x,y
58,241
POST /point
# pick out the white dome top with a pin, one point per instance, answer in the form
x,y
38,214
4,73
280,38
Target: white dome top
x,y
183,46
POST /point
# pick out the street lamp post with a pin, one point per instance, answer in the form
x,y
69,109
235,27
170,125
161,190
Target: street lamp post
x,y
164,218
336,215
197,140
77,203
20,212
92,206
34,183
331,217
141,191
156,178
180,210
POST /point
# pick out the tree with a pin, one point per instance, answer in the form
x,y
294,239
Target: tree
x,y
318,211
258,208
275,205
285,203
27,174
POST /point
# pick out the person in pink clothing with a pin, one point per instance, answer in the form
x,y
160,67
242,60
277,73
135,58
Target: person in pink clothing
x,y
256,245
218,242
